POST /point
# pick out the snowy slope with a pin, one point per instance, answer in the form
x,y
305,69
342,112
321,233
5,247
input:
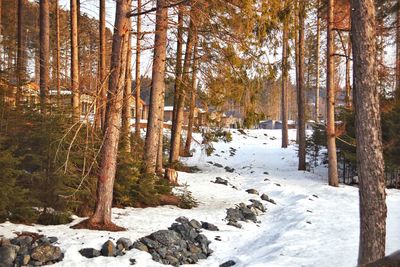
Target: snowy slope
x,y
311,225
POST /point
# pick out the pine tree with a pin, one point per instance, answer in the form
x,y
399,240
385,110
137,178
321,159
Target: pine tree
x,y
157,90
330,101
370,164
44,54
101,218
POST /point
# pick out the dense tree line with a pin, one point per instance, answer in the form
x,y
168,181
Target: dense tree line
x,y
219,53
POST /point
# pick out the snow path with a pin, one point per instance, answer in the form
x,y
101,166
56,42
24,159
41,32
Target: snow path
x,y
311,225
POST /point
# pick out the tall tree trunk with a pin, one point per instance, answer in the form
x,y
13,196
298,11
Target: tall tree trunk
x,y
317,85
178,123
137,73
284,114
370,163
160,152
20,52
157,89
193,93
44,54
37,65
1,40
178,67
102,215
330,101
348,85
102,91
58,53
301,90
397,92
296,56
127,111
74,61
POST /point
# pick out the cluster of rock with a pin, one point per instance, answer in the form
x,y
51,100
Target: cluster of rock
x,y
182,243
109,249
29,250
244,213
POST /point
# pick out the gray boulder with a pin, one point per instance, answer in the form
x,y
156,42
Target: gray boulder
x,y
8,253
252,191
219,180
90,252
228,263
257,204
209,226
124,243
265,197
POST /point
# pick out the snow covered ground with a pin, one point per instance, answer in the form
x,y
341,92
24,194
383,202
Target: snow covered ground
x,y
311,225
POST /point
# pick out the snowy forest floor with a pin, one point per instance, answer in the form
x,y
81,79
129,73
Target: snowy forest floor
x,y
311,225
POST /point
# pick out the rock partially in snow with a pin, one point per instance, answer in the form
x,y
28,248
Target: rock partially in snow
x,y
228,263
209,226
265,197
124,243
252,191
257,204
90,252
8,253
46,253
181,244
108,249
229,169
219,180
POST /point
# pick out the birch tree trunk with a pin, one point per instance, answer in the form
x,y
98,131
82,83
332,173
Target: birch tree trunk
x,y
330,101
284,114
138,103
101,219
44,54
74,61
370,163
157,89
301,90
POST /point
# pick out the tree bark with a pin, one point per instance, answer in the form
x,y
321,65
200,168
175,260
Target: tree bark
x,y
348,85
74,61
44,54
397,91
20,52
58,53
160,152
301,90
317,85
178,68
102,215
138,103
193,93
157,89
102,91
330,101
285,42
370,163
126,111
178,123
